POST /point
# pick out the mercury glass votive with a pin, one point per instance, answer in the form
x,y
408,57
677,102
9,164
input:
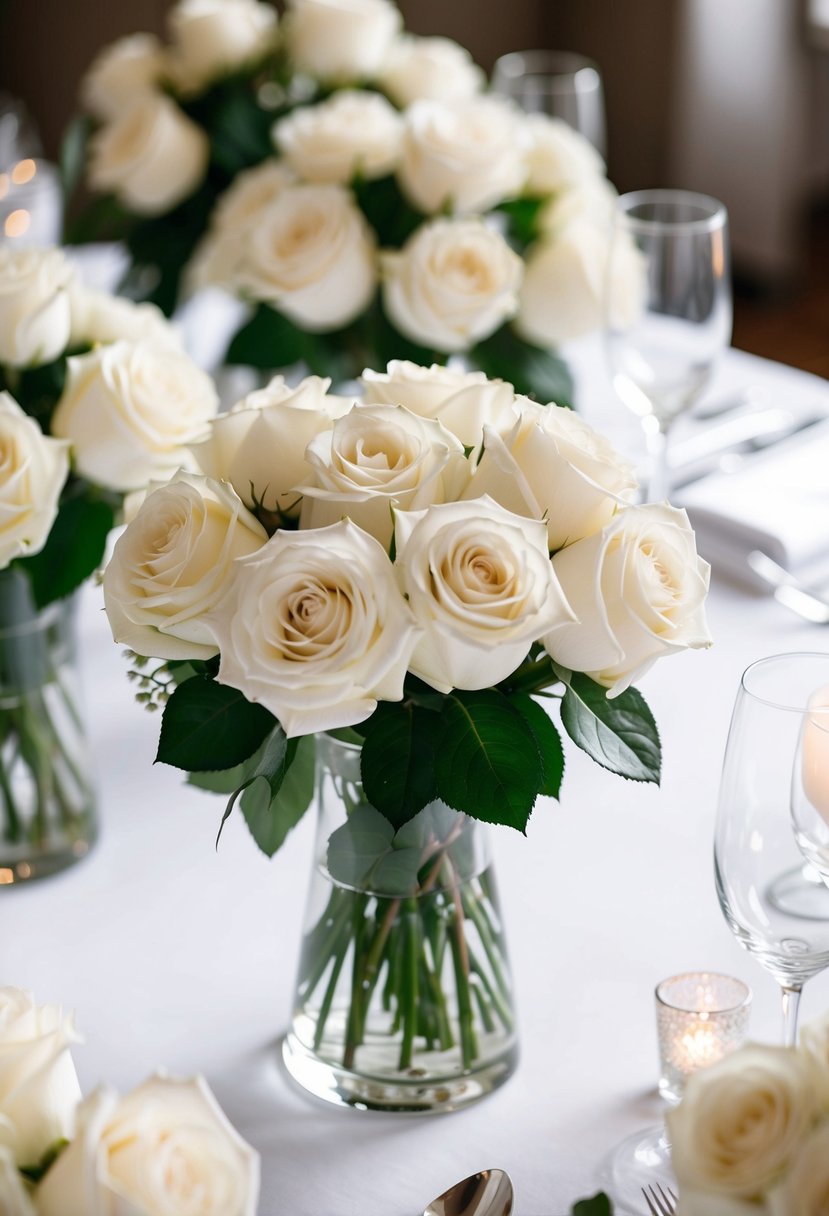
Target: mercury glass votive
x,y
700,1017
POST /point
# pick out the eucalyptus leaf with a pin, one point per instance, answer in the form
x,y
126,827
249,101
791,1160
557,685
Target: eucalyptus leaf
x,y
619,733
210,726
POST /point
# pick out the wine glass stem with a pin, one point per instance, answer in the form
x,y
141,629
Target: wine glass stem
x,y
791,1004
658,485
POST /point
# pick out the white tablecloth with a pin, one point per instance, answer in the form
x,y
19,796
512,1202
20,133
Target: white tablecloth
x,y
179,956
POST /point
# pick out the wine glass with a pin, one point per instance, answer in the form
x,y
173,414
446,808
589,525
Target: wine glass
x,y
773,771
559,83
665,330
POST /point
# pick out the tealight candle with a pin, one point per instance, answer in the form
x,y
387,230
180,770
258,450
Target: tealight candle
x,y
700,1017
816,752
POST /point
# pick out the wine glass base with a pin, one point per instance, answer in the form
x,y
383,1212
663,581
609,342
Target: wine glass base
x,y
800,892
642,1160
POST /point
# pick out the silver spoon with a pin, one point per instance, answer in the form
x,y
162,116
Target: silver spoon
x,y
488,1193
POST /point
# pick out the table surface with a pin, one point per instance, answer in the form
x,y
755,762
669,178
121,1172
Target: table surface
x,y
179,956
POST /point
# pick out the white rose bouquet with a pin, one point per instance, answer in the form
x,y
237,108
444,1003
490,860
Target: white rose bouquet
x,y
353,185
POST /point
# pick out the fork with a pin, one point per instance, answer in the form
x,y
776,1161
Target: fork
x,y
660,1202
788,590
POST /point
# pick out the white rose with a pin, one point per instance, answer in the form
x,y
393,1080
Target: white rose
x,y
34,305
151,156
14,1197
38,1085
465,402
552,465
340,40
376,460
429,69
558,158
172,564
594,201
706,1203
213,37
124,72
813,1043
131,409
352,132
33,471
466,154
481,587
805,1189
97,316
453,283
315,629
259,447
741,1121
166,1147
638,591
312,256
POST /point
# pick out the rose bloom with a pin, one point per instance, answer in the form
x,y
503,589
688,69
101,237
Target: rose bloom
x,y
558,158
813,1042
34,305
594,201
706,1203
33,471
805,1189
481,587
552,465
453,283
466,154
151,156
130,410
97,316
14,1197
165,1148
741,1121
637,589
211,38
315,629
312,256
340,40
429,69
465,402
124,72
38,1085
352,132
378,459
173,563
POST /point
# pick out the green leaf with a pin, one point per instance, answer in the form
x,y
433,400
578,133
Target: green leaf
x,y
210,726
366,854
267,341
74,549
281,790
488,764
386,343
73,153
599,1205
38,389
548,741
522,217
532,371
619,733
397,762
387,210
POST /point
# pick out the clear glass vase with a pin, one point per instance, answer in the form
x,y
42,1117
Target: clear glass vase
x,y
47,809
403,999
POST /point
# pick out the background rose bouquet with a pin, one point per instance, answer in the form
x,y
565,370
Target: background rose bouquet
x,y
354,186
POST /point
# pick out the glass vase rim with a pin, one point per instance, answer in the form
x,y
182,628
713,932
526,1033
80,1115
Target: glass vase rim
x,y
721,1008
539,62
819,711
713,219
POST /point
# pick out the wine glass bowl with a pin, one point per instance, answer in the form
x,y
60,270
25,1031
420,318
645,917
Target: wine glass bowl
x,y
560,84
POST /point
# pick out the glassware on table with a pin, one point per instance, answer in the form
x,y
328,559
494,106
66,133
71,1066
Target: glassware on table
x,y
559,83
664,334
31,198
773,772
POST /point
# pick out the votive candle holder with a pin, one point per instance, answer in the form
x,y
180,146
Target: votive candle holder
x,y
700,1016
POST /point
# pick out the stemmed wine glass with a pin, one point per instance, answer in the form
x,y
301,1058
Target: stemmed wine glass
x,y
774,799
672,318
558,83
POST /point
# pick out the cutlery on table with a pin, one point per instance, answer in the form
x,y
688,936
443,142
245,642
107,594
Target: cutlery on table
x,y
788,590
660,1202
723,448
488,1193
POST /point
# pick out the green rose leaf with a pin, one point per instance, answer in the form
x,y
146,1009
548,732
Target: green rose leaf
x,y
281,790
531,370
210,726
522,217
398,759
268,340
73,551
365,853
548,741
488,763
619,733
387,210
599,1205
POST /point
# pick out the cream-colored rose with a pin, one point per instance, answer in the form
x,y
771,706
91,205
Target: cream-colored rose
x,y
124,72
593,201
131,410
97,316
558,158
638,591
429,69
562,295
38,1085
706,1203
741,1121
467,155
34,305
165,1148
14,1196
481,587
259,447
352,132
211,38
453,283
376,460
813,1043
340,40
804,1191
552,465
315,629
151,156
33,471
312,257
465,402
172,565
